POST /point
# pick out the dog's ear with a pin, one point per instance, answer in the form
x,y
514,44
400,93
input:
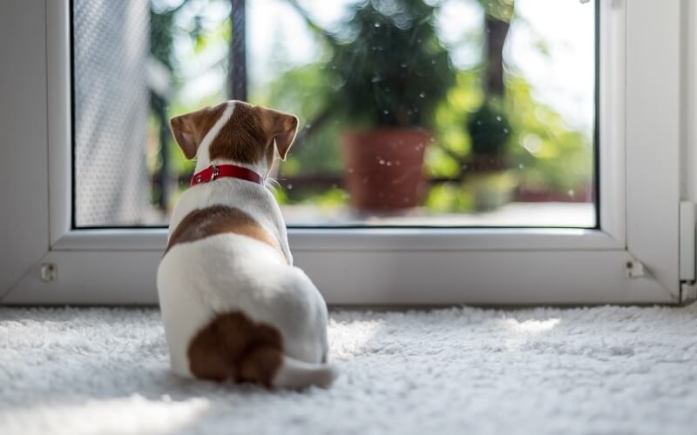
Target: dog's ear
x,y
283,127
190,129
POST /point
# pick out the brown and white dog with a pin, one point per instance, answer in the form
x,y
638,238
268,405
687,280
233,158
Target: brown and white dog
x,y
233,305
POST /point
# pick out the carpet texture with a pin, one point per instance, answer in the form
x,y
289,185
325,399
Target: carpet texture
x,y
606,370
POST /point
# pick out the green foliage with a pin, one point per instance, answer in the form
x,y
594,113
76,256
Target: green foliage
x,y
550,155
450,197
331,198
328,198
489,130
394,70
454,143
545,153
319,152
500,9
161,35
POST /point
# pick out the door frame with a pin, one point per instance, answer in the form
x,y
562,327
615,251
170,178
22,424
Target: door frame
x,y
633,257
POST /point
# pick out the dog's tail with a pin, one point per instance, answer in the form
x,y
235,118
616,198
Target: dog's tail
x,y
299,374
232,346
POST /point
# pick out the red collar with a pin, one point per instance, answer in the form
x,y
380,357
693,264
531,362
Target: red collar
x,y
214,172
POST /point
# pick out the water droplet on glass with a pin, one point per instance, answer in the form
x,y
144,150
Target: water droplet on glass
x,y
404,65
505,130
498,118
289,186
375,79
381,161
376,25
570,192
389,163
521,166
422,95
386,112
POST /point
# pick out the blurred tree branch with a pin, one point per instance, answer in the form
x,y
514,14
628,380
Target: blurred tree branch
x,y
326,114
328,37
497,22
316,123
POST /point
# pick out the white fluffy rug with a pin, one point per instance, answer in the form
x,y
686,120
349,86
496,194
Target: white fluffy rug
x,y
607,370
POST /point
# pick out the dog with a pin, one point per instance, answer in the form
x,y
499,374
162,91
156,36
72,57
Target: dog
x,y
233,305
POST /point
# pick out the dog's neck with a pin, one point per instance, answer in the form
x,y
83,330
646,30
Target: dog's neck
x,y
260,168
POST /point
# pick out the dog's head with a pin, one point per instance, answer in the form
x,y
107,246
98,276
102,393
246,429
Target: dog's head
x,y
235,131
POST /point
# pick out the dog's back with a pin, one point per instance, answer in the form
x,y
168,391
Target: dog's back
x,y
248,314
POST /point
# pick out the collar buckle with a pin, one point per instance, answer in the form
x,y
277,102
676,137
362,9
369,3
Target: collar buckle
x,y
215,171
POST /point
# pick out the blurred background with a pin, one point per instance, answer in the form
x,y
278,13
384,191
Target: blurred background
x,y
413,112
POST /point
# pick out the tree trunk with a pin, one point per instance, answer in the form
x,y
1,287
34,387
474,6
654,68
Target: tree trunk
x,y
237,54
496,31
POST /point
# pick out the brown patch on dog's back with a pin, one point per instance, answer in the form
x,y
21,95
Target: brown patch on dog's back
x,y
234,347
218,219
242,139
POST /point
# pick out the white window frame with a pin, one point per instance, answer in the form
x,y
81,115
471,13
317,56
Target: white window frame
x,y
645,109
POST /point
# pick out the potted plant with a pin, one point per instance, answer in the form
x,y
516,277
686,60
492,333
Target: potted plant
x,y
393,71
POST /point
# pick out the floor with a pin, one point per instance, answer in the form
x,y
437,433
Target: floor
x,y
605,370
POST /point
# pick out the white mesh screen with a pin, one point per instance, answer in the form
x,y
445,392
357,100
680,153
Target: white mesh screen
x,y
111,106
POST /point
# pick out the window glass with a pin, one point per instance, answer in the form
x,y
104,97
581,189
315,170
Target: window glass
x,y
413,112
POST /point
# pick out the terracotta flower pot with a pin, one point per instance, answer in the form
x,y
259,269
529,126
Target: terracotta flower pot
x,y
384,168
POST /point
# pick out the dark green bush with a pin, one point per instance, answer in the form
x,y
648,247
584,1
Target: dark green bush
x,y
392,69
489,130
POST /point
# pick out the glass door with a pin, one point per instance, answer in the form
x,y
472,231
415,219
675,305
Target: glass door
x,y
456,113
